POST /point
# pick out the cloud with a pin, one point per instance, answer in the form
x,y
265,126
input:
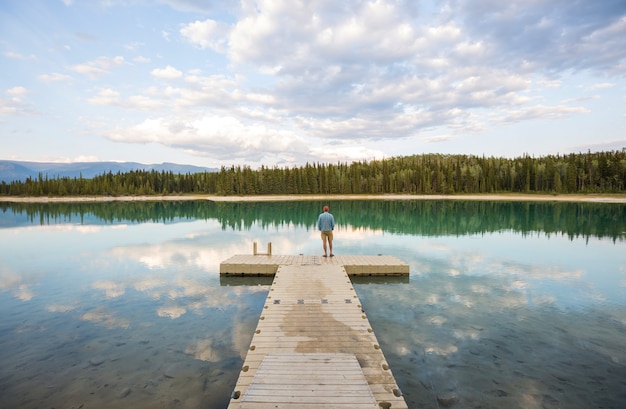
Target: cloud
x,y
17,91
17,56
168,72
99,66
331,78
105,97
207,34
362,72
543,112
566,35
54,77
549,83
343,71
218,135
219,92
15,104
316,34
110,97
603,85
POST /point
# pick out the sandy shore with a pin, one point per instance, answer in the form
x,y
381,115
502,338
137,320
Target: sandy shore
x,y
614,198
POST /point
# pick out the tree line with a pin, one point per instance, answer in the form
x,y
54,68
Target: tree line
x,y
597,172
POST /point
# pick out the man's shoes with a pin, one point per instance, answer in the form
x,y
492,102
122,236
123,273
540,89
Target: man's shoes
x,y
332,255
326,255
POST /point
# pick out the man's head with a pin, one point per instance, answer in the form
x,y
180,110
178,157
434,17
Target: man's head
x,y
325,208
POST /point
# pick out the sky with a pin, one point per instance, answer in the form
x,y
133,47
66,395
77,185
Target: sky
x,y
288,82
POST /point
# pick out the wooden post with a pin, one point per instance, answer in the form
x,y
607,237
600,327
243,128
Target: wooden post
x,y
256,252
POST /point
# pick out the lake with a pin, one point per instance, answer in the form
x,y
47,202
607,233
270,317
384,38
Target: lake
x,y
508,304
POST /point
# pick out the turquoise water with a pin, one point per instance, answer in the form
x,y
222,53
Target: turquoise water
x,y
517,305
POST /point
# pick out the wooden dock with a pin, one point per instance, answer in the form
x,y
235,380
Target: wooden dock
x,y
314,346
267,265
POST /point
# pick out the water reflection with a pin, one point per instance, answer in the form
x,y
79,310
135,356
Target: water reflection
x,y
415,217
507,328
508,305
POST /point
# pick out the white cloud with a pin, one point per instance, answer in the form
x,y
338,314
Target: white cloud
x,y
99,66
549,83
354,74
17,56
603,85
105,97
317,34
543,112
168,72
17,91
207,34
54,77
216,135
14,104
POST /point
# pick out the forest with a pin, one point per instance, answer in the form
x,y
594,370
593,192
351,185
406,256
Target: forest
x,y
597,172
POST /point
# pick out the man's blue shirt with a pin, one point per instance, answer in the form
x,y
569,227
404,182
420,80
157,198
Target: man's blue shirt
x,y
326,222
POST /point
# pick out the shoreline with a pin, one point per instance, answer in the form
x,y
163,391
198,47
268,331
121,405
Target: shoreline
x,y
515,197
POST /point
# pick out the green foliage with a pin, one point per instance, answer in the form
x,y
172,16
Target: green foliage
x,y
600,172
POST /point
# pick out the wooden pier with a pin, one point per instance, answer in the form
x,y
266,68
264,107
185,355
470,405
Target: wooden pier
x,y
267,265
314,346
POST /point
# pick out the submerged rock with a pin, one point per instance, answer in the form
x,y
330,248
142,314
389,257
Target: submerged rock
x,y
124,393
96,361
447,399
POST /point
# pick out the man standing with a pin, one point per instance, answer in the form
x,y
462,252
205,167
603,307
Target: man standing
x,y
326,224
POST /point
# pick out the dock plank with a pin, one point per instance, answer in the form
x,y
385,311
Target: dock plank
x,y
314,346
300,378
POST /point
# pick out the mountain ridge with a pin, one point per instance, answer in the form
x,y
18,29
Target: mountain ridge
x,y
11,170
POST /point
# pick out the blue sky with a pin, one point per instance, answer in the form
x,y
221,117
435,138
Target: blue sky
x,y
285,82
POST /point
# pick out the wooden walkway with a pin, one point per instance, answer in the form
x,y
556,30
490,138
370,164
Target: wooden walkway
x,y
313,346
264,265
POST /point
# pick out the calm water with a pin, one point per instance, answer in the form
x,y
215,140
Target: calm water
x,y
516,305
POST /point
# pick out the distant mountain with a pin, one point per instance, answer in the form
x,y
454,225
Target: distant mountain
x,y
18,170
